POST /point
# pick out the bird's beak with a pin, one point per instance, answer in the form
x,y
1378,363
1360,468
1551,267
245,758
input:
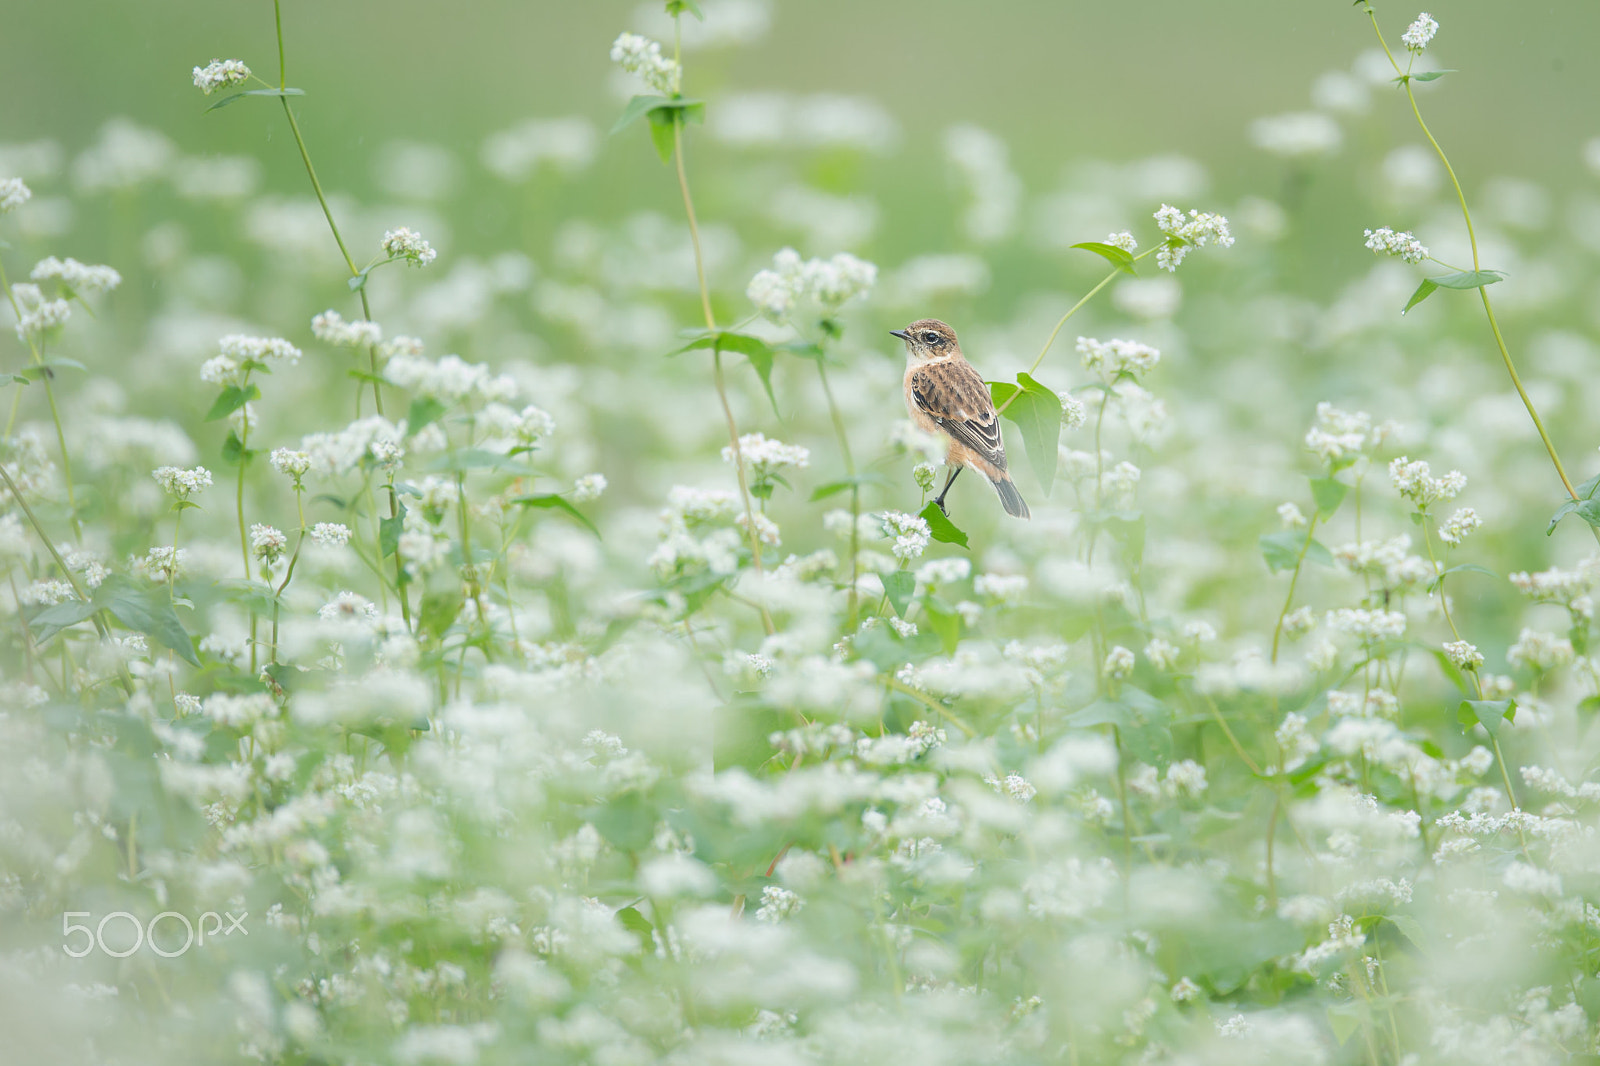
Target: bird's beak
x,y
898,333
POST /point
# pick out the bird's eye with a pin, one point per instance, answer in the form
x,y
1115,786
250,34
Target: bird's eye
x,y
931,337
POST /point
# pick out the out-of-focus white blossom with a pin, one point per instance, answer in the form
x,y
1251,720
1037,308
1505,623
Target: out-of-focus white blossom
x,y
219,74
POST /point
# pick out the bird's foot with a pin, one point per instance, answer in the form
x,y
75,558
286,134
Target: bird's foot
x,y
939,503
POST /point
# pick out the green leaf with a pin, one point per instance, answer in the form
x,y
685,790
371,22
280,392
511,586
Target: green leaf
x,y
1425,290
1037,412
1431,75
649,104
758,351
231,399
251,595
1487,713
1119,258
236,97
1469,279
1473,568
559,503
1588,510
359,281
52,620
833,488
944,531
899,586
1282,550
424,412
440,606
1329,494
148,611
48,368
678,7
943,622
663,130
628,821
1345,1018
637,924
12,379
389,530
234,452
1409,927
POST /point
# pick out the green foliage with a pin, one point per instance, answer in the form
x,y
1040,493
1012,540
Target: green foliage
x,y
1036,411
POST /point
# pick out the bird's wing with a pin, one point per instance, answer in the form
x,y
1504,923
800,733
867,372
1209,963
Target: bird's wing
x,y
951,393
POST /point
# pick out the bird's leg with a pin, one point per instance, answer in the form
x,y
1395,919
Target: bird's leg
x,y
939,499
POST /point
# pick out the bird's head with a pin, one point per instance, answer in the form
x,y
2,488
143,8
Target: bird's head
x,y
928,338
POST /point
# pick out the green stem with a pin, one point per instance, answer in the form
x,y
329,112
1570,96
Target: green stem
x,y
855,495
1294,579
1472,238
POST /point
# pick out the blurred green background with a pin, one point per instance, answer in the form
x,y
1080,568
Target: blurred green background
x,y
1058,81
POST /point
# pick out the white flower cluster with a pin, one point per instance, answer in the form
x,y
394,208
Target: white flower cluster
x,y
1459,526
374,438
910,532
330,534
267,543
1119,663
331,328
1336,435
777,904
76,277
13,194
1007,588
830,282
1113,358
642,57
588,487
1291,517
766,456
290,463
219,74
449,378
405,243
1535,650
1297,135
1195,230
1390,561
1556,585
941,572
1420,32
1463,655
182,483
1368,625
1386,241
237,351
1123,240
37,316
1415,481
688,512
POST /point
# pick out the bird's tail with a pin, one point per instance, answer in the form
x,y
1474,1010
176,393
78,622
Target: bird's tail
x,y
1010,498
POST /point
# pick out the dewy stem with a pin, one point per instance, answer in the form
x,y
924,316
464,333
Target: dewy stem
x,y
716,358
1472,238
1107,280
855,494
327,212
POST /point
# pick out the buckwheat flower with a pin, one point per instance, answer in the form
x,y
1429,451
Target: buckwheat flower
x,y
290,463
37,316
1462,654
405,243
765,456
47,592
1415,481
1115,357
1235,1026
78,278
331,534
1017,787
589,487
1386,241
13,194
1458,526
1300,135
939,572
1299,622
777,904
534,424
1290,516
331,328
922,474
244,348
1119,663
642,57
1162,655
1184,991
163,564
1185,233
1420,32
773,294
1007,588
1186,776
837,281
1074,412
767,530
1368,625
1123,240
242,420
221,370
1296,741
1198,632
1536,650
267,543
219,74
910,532
182,483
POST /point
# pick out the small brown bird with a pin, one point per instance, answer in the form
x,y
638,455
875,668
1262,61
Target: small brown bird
x,y
946,395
